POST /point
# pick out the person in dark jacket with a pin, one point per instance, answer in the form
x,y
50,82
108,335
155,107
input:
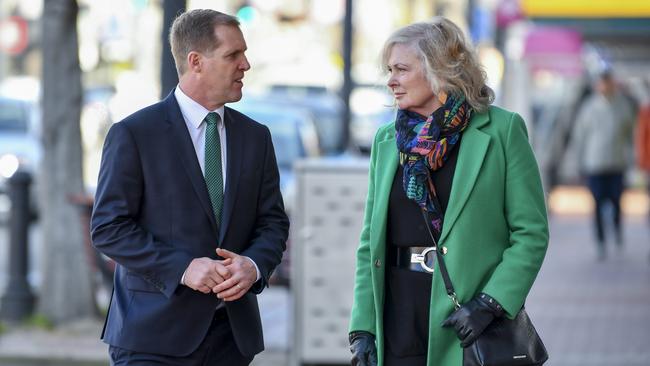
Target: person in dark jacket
x,y
603,139
188,205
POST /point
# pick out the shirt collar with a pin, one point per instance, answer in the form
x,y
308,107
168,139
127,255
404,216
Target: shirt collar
x,y
193,112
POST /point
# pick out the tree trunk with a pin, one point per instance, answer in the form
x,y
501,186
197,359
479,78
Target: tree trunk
x,y
66,287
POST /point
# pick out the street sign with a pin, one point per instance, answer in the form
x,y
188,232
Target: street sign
x,y
13,35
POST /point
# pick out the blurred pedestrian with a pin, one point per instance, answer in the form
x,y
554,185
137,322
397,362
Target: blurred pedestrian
x,y
182,181
449,155
603,138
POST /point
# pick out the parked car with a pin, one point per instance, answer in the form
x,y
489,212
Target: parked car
x,y
294,137
19,130
371,107
19,145
326,108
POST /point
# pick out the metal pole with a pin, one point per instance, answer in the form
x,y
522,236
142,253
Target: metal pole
x,y
168,75
472,23
2,54
348,84
18,300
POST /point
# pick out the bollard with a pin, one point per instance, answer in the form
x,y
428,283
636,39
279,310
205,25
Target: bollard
x,y
17,302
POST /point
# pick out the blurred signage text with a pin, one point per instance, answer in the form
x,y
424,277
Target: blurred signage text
x,y
586,8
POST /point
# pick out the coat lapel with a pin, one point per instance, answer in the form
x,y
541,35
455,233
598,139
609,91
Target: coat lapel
x,y
181,139
470,159
235,145
386,167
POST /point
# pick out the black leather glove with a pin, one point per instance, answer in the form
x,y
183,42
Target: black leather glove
x,y
364,351
473,317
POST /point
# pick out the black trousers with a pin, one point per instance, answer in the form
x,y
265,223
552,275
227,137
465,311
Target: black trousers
x,y
217,349
406,317
607,188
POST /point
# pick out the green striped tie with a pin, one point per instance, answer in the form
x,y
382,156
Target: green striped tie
x,y
213,175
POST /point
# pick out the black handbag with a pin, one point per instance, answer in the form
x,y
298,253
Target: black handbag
x,y
505,342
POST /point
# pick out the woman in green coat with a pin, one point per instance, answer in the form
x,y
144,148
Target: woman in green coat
x,y
470,167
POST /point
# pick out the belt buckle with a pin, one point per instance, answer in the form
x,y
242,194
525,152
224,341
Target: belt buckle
x,y
422,259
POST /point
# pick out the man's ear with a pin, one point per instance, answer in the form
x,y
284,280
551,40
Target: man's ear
x,y
194,61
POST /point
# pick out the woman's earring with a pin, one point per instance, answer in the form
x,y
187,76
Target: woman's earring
x,y
442,97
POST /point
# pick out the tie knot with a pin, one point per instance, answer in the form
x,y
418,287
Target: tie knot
x,y
212,118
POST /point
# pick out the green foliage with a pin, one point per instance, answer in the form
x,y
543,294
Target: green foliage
x,y
2,328
39,321
103,311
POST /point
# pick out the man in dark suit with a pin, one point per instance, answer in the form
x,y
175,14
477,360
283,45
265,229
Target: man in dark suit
x,y
188,204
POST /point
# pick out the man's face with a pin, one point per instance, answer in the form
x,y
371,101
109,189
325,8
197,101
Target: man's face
x,y
223,69
606,86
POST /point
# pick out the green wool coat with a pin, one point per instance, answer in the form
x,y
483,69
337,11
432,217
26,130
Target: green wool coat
x,y
495,229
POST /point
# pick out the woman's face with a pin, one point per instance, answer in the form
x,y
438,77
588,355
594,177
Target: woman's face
x,y
410,87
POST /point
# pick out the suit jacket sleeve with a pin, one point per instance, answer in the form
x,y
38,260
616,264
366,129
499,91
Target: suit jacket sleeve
x,y
525,212
272,225
114,225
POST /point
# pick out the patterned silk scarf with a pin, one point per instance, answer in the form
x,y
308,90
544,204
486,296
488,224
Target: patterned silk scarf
x,y
424,145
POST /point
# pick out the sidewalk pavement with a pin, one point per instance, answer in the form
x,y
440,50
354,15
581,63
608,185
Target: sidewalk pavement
x,y
78,344
590,312
587,312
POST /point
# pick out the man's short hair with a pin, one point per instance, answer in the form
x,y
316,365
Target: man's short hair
x,y
195,31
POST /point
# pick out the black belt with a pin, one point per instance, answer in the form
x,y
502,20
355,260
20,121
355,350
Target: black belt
x,y
418,259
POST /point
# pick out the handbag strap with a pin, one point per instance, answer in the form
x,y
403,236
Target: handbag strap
x,y
441,264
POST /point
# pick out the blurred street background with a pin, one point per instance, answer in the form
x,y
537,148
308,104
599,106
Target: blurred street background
x,y
70,69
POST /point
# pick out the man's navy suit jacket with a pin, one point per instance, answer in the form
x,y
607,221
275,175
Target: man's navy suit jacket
x,y
152,215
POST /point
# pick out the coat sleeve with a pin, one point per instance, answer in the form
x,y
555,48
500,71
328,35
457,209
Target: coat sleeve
x,y
525,212
114,225
271,225
363,317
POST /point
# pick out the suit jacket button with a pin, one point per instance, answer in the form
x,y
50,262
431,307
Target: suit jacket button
x,y
444,250
378,263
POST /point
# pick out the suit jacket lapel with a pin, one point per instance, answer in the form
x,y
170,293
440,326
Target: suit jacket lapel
x,y
470,159
235,145
181,139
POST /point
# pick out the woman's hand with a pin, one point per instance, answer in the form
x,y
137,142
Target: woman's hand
x,y
364,351
473,317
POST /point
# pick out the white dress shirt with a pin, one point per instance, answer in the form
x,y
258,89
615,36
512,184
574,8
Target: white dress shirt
x,y
194,115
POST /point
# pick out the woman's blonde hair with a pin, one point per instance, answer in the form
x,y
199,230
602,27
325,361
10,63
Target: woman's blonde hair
x,y
450,64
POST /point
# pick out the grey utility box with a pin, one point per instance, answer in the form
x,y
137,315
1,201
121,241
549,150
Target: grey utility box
x,y
325,228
